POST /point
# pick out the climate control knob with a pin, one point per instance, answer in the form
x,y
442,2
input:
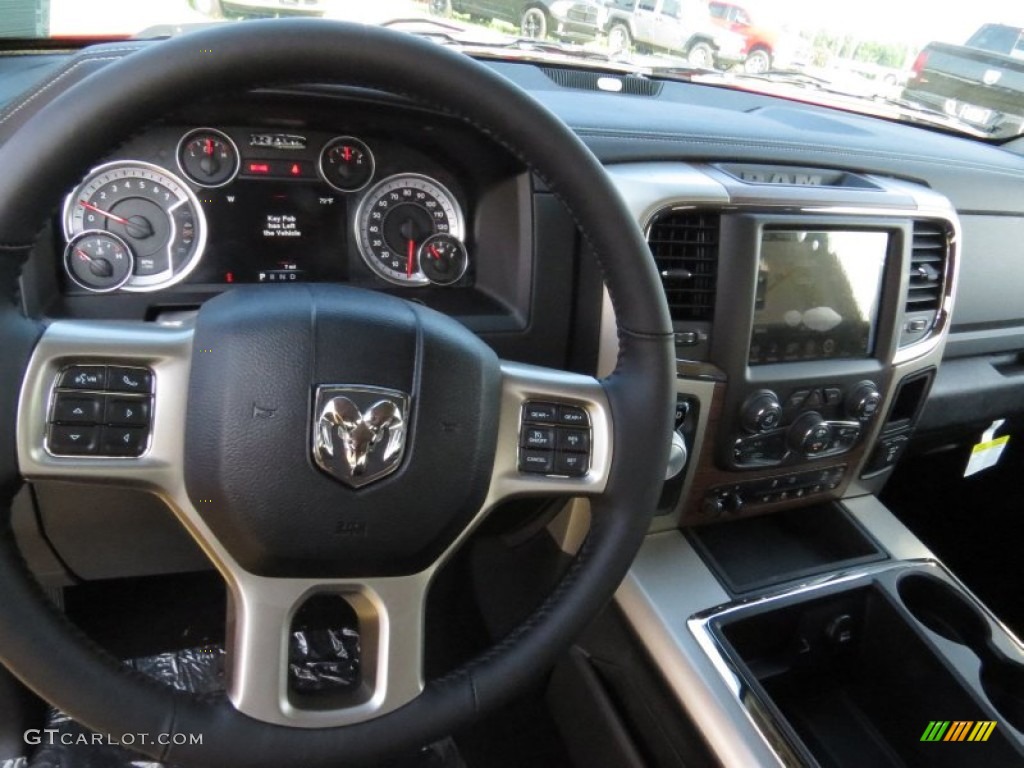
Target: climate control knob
x,y
863,401
762,412
810,434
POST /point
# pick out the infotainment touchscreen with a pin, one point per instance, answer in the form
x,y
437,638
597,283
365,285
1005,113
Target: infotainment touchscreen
x,y
817,295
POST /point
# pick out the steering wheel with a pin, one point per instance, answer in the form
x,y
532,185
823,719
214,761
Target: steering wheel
x,y
246,397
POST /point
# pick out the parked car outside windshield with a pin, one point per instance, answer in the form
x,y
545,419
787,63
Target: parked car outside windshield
x,y
959,70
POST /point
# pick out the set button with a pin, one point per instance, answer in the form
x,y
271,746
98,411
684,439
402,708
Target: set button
x,y
554,439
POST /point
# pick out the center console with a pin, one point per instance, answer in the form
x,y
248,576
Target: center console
x,y
794,620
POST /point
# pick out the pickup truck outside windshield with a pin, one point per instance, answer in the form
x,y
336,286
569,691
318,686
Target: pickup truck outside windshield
x,y
961,69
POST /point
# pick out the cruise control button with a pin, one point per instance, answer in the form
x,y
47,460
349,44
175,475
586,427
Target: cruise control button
x,y
77,409
540,462
125,412
571,464
540,413
129,380
576,440
73,440
84,377
539,437
123,441
573,416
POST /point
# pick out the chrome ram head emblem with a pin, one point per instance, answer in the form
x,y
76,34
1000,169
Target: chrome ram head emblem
x,y
359,432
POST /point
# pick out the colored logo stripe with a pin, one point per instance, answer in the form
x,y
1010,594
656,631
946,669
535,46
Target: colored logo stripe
x,y
958,730
982,730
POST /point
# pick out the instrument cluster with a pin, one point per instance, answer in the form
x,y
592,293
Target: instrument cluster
x,y
215,206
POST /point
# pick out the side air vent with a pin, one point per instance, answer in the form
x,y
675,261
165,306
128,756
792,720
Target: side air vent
x,y
598,81
927,266
685,248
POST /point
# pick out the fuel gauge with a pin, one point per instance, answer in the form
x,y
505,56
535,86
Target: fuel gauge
x,y
346,163
443,259
98,261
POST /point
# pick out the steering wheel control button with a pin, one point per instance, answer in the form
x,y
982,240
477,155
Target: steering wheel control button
x,y
540,413
83,377
573,416
539,438
125,412
571,464
77,409
560,445
536,462
574,440
130,380
123,441
72,440
101,423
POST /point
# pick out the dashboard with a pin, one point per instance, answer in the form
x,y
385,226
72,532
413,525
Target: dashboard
x,y
810,257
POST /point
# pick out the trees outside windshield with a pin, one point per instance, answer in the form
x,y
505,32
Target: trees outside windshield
x,y
963,61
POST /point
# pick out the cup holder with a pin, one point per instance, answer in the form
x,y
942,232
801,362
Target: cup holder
x,y
948,612
944,610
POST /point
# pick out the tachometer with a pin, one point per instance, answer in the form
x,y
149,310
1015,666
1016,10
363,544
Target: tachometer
x,y
152,210
394,219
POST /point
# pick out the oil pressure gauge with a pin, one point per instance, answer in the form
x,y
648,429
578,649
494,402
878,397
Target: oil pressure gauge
x,y
98,261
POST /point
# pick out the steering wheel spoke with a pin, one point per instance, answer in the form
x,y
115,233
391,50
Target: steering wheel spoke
x,y
554,436
105,402
322,671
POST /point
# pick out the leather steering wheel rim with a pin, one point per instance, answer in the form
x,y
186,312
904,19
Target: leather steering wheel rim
x,y
52,151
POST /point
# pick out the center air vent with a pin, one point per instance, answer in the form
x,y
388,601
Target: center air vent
x,y
927,266
685,248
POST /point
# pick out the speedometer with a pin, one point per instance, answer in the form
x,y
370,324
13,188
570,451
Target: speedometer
x,y
394,219
151,210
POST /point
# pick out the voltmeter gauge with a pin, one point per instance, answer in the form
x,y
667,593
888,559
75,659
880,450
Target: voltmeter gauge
x,y
98,261
443,259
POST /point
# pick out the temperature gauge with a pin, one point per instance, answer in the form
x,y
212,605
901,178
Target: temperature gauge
x,y
98,261
346,164
443,259
208,157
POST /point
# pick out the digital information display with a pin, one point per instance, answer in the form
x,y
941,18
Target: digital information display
x,y
274,232
818,295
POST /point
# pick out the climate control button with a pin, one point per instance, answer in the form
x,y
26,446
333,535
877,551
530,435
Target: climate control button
x,y
863,401
810,434
762,412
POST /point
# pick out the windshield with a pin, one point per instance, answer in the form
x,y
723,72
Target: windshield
x,y
959,67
